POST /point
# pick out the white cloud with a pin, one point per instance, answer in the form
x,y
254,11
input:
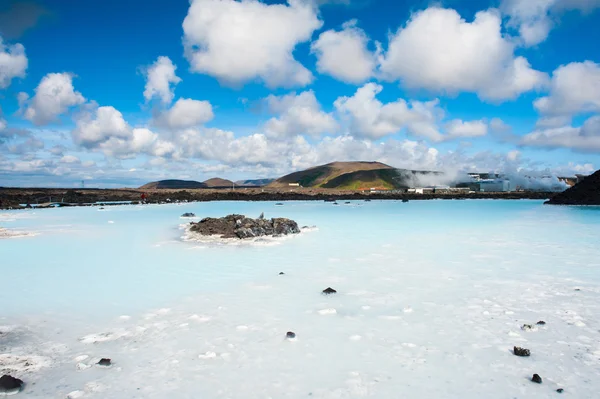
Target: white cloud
x,y
139,141
458,128
70,159
575,88
439,51
53,96
238,42
368,117
298,114
2,124
513,155
585,138
186,113
13,63
534,19
104,129
344,54
161,80
98,126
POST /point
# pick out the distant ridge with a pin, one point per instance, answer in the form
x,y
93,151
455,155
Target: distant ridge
x,y
254,182
586,192
173,184
217,182
354,176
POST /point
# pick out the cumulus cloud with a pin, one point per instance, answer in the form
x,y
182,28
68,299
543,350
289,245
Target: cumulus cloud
x,y
345,54
439,51
298,114
104,129
13,63
57,150
367,117
185,113
574,89
31,145
237,42
69,159
161,80
459,128
98,126
534,19
585,138
54,96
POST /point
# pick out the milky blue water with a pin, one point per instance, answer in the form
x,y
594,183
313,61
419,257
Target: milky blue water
x,y
431,298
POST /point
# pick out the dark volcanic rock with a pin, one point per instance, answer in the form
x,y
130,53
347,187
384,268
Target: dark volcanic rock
x,y
541,323
239,226
404,200
518,351
526,327
290,335
281,273
536,378
560,390
188,215
10,384
329,290
586,192
104,362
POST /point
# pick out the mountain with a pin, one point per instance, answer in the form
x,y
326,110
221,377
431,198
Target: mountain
x,y
586,192
319,175
173,184
254,182
357,176
217,182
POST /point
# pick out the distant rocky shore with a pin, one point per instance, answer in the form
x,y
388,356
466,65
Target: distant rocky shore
x,y
13,198
241,227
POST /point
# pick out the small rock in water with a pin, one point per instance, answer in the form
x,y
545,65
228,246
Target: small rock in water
x,y
404,200
536,378
188,215
281,273
329,290
518,351
560,390
526,327
541,323
279,204
290,335
104,362
10,385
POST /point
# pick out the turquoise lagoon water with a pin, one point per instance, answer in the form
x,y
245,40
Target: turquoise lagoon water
x,y
431,299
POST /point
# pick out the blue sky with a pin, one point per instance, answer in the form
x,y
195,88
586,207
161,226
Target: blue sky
x,y
116,93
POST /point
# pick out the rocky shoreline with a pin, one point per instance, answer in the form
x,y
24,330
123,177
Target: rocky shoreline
x,y
12,198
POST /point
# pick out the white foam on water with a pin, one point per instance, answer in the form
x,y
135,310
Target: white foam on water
x,y
327,311
10,363
8,233
75,395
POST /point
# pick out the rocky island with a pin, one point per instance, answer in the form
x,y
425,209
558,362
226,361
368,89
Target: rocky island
x,y
586,192
241,227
